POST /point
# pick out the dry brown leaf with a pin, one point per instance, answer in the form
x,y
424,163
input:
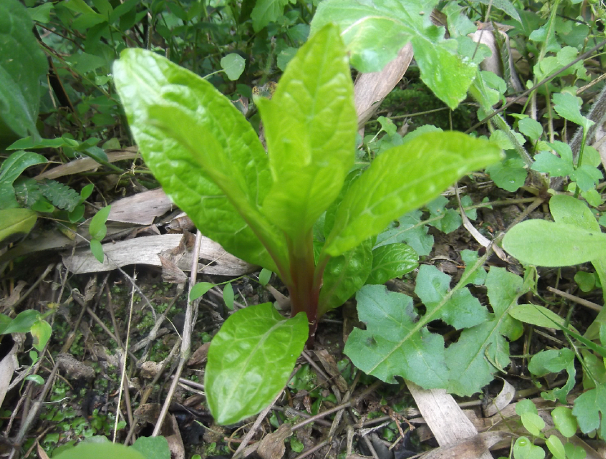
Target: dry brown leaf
x,y
272,445
330,365
199,356
141,208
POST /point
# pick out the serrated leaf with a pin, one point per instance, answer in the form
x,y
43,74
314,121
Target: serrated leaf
x,y
22,65
374,32
458,309
402,179
569,107
233,64
549,163
251,340
16,222
588,407
310,126
215,168
411,230
393,343
391,261
60,195
483,349
532,242
345,275
266,11
554,361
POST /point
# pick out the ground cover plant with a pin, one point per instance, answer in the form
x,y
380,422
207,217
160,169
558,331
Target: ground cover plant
x,y
257,142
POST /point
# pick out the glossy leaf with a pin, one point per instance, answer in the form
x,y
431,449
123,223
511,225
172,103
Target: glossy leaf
x,y
250,360
483,349
16,222
345,275
203,151
391,261
310,126
532,242
22,65
459,308
374,32
394,343
402,179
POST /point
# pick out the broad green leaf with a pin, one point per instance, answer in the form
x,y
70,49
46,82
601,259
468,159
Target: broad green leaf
x,y
459,308
97,250
391,261
564,421
233,64
41,13
22,323
556,448
586,176
100,451
250,342
477,273
266,11
199,289
152,447
13,166
402,179
504,5
449,220
569,107
554,361
483,349
41,331
265,276
524,449
549,163
532,242
97,228
533,423
22,64
530,128
16,223
393,343
509,174
587,409
203,151
526,406
374,32
310,125
345,275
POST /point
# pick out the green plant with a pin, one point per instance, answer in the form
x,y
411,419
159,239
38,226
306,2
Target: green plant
x,y
269,208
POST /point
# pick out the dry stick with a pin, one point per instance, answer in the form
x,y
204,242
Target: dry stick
x,y
150,386
187,331
123,376
539,84
576,299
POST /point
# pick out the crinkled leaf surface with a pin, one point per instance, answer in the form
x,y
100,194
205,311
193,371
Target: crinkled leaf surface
x,y
533,241
391,261
345,275
250,360
202,150
395,343
402,179
374,32
15,222
310,126
458,308
483,349
22,64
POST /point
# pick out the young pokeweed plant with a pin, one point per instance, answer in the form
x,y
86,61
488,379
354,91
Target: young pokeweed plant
x,y
266,207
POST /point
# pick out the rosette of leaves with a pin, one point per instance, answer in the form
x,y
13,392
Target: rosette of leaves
x,y
298,210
